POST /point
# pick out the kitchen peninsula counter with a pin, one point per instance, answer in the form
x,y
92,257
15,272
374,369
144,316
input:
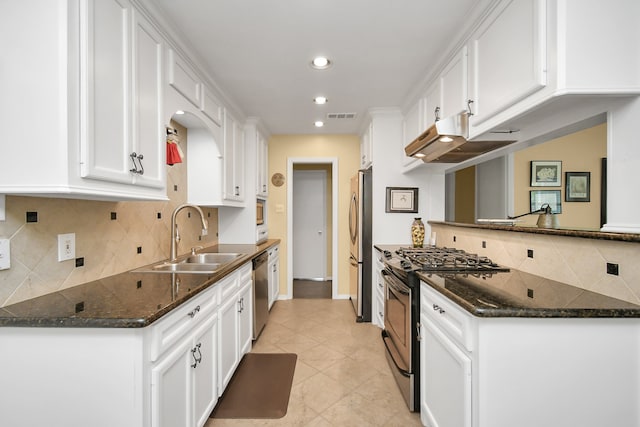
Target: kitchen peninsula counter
x,y
567,232
520,294
125,300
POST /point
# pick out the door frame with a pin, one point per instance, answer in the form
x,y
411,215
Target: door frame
x,y
333,161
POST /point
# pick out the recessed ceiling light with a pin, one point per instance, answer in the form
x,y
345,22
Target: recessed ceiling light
x,y
179,112
320,100
446,139
319,124
320,63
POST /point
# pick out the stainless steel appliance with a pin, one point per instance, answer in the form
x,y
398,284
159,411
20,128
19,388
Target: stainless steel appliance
x,y
260,293
361,256
402,305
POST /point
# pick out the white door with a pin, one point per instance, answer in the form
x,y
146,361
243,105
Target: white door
x,y
309,224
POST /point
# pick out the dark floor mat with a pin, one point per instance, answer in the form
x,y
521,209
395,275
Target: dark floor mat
x,y
259,388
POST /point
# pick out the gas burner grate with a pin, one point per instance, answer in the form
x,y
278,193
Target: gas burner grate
x,y
447,260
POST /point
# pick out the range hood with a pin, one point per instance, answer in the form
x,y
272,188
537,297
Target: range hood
x,y
446,141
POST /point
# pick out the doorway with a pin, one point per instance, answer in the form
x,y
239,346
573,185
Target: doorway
x,y
312,228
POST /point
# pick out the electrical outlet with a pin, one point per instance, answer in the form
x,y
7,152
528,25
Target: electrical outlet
x,y
5,254
530,253
612,268
66,246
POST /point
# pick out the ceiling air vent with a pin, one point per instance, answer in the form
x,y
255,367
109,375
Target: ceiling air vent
x,y
341,115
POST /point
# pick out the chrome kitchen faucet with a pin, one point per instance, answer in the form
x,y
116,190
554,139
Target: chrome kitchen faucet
x,y
175,235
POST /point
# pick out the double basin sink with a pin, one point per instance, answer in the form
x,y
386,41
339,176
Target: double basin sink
x,y
205,263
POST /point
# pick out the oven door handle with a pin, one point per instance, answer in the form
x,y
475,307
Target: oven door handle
x,y
393,283
403,371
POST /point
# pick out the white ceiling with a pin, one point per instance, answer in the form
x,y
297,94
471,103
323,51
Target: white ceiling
x,y
258,52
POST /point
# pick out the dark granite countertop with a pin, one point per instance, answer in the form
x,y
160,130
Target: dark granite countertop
x,y
567,232
125,300
521,294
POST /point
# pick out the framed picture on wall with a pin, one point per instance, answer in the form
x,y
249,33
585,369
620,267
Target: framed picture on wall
x,y
546,173
402,199
577,187
540,198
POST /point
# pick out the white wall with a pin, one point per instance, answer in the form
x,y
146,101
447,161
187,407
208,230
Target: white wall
x,y
394,228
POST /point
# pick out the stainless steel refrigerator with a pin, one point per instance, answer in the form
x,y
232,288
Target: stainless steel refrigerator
x,y
361,257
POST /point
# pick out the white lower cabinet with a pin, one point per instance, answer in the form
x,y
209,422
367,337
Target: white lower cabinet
x,y
529,372
235,325
274,274
183,382
446,396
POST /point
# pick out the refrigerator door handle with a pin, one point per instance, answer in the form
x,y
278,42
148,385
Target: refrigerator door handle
x,y
353,218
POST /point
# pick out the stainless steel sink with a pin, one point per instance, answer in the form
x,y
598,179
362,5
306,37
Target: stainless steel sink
x,y
213,257
205,263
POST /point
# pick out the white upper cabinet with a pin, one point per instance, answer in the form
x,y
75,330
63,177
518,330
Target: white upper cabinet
x,y
508,57
262,166
453,85
233,187
184,79
77,122
529,54
121,130
366,147
413,124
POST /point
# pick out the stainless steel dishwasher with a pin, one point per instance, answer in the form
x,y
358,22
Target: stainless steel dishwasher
x,y
260,293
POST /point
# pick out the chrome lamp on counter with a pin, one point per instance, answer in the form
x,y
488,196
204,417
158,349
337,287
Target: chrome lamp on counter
x,y
546,219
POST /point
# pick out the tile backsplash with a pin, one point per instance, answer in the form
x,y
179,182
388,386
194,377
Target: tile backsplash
x,y
579,262
111,237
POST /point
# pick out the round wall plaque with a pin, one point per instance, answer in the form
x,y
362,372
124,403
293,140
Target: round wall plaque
x,y
277,179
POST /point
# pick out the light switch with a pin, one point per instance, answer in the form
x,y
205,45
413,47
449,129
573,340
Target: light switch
x,y
5,254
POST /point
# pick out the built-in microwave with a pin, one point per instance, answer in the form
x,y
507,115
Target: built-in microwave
x,y
260,212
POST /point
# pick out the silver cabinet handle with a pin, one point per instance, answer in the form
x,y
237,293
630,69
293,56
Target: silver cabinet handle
x,y
237,190
436,307
418,334
196,359
135,169
193,312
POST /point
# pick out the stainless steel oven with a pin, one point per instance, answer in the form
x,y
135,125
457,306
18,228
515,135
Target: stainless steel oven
x,y
400,329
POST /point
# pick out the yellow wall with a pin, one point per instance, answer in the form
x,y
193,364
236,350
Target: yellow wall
x,y
346,148
465,203
579,152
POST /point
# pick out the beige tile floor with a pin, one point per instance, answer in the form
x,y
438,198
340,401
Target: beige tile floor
x,y
341,378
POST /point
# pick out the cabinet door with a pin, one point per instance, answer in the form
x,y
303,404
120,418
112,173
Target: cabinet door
x,y
228,357
245,321
238,162
205,381
508,58
366,143
274,280
412,126
233,177
445,379
148,130
453,84
171,403
105,90
262,181
432,104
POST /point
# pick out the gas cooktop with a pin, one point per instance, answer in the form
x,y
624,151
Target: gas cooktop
x,y
442,260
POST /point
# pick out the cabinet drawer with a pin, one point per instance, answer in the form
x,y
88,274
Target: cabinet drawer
x,y
175,325
452,319
228,286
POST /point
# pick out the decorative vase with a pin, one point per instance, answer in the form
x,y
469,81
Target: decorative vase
x,y
417,233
